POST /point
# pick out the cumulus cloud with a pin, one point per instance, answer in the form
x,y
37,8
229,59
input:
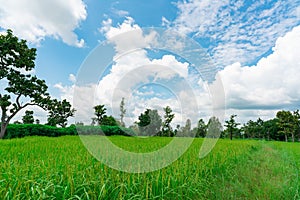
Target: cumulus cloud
x,y
126,36
270,85
34,20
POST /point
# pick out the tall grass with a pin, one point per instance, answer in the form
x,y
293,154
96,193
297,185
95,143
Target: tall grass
x,y
61,168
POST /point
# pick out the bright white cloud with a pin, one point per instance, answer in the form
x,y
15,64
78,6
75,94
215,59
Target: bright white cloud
x,y
236,30
34,20
271,85
126,36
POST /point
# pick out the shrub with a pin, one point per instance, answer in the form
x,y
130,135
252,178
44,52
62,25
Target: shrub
x,y
23,130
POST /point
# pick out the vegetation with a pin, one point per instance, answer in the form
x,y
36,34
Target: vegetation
x,y
28,117
100,111
166,126
61,168
122,111
22,88
232,126
149,123
59,113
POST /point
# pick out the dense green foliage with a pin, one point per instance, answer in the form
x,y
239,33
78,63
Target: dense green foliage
x,y
149,123
231,126
28,117
62,168
23,130
59,113
100,111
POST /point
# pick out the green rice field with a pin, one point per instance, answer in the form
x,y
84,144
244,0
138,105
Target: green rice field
x,y
62,168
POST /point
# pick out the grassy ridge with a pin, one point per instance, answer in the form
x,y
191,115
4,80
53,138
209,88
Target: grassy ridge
x,y
61,168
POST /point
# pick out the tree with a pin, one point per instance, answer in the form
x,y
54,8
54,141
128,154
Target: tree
x,y
201,128
15,58
149,123
122,111
214,127
270,129
297,123
28,117
286,124
109,121
166,126
187,128
100,111
59,112
231,126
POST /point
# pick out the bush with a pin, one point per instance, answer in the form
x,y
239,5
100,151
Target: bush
x,y
104,130
23,130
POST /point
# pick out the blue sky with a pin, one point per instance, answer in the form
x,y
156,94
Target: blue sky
x,y
252,44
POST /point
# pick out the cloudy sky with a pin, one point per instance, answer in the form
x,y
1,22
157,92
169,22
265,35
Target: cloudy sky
x,y
249,50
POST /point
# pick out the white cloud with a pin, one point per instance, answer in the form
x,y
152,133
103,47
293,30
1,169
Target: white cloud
x,y
271,85
126,36
34,20
72,78
237,34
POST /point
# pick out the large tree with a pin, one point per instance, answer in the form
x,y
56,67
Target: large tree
x,y
214,127
22,89
286,124
59,112
231,125
149,123
166,126
100,111
201,128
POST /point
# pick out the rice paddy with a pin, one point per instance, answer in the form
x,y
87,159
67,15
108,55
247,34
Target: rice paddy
x,y
62,168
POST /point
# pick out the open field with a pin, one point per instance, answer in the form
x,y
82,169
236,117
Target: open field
x,y
61,168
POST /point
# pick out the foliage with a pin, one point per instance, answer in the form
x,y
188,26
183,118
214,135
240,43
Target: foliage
x,y
100,111
59,112
28,117
232,126
122,111
23,130
149,123
201,129
15,58
104,130
166,126
286,124
109,121
214,127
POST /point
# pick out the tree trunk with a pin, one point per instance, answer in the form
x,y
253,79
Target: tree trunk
x,y
3,129
293,137
230,135
286,138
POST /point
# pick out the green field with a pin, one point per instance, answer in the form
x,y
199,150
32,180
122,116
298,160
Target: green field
x,y
61,168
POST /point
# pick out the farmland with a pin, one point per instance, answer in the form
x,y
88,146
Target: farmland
x,y
62,168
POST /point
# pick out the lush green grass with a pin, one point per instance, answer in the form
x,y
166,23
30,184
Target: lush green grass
x,y
61,168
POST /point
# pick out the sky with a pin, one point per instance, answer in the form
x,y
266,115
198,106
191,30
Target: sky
x,y
212,57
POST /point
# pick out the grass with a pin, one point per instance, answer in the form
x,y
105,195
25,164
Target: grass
x,y
61,168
